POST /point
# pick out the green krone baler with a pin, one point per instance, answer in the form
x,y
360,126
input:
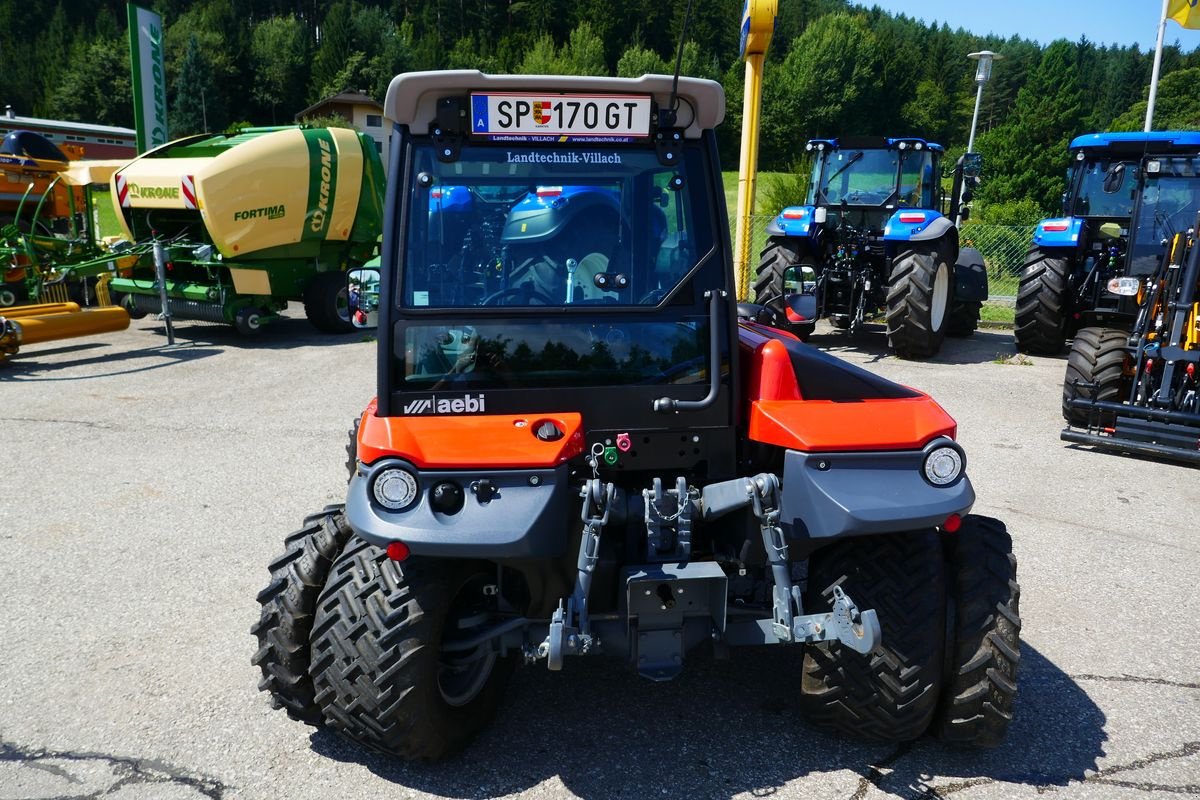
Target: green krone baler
x,y
249,221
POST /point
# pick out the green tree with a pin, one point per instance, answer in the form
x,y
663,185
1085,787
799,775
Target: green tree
x,y
198,107
1176,106
637,61
825,86
95,86
279,52
1026,156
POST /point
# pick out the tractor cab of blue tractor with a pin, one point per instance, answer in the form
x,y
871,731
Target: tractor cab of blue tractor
x,y
1127,194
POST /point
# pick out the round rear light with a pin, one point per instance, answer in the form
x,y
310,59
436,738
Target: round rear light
x,y
394,488
943,466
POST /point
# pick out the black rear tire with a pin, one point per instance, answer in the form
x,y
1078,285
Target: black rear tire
x,y
918,300
377,667
891,693
327,303
1041,314
288,605
964,318
1098,355
981,679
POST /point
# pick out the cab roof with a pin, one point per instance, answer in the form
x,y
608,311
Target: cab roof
x,y
412,97
873,143
1125,140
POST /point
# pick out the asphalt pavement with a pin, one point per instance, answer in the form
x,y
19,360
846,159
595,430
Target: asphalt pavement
x,y
147,487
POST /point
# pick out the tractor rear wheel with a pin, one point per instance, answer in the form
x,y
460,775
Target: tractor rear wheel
x,y
1098,356
918,300
964,318
1041,316
288,605
891,693
984,647
327,303
779,255
381,676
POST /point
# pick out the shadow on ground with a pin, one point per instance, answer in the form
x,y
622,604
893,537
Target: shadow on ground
x,y
990,344
726,728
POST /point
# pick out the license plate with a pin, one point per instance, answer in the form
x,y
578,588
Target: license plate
x,y
556,117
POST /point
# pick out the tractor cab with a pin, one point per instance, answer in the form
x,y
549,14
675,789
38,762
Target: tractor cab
x,y
559,252
1127,194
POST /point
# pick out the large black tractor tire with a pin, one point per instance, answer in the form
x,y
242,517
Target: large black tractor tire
x,y
1098,356
777,256
984,635
380,676
288,605
1041,314
327,303
891,693
918,300
964,318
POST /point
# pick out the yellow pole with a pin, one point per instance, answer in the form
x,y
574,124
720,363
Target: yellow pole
x,y
16,312
758,23
748,172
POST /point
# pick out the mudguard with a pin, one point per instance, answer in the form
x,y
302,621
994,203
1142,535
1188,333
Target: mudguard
x,y
1061,232
916,225
970,276
829,495
518,515
794,221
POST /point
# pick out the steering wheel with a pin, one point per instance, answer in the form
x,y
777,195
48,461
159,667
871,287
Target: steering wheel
x,y
527,294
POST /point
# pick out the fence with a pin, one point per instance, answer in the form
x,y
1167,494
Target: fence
x,y
1003,248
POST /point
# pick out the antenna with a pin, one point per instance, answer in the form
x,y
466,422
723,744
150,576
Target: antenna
x,y
666,117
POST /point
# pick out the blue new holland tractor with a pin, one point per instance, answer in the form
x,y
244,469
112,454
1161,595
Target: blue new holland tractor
x,y
1076,258
871,237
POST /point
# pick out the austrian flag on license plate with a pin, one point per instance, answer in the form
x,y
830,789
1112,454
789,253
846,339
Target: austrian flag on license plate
x,y
533,116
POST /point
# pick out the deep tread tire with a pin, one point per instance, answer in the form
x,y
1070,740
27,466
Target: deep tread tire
x,y
376,655
913,325
288,605
964,318
1097,356
326,303
780,253
891,693
1041,313
981,682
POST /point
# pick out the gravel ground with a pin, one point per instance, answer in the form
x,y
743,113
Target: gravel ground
x,y
150,486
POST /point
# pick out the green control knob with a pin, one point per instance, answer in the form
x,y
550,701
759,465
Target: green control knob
x,y
610,455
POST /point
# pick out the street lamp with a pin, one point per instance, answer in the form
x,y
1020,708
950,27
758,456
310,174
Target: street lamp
x,y
983,73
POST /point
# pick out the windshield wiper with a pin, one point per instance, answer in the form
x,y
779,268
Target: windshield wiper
x,y
839,171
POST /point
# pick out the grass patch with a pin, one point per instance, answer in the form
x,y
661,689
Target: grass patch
x,y
730,181
1012,359
997,313
104,214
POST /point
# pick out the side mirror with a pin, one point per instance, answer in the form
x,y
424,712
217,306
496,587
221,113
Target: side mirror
x,y
1114,177
972,164
362,295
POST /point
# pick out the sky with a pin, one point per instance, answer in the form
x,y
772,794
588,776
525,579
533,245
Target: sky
x,y
1122,22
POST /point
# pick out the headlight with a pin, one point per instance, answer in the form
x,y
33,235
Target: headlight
x,y
943,466
394,488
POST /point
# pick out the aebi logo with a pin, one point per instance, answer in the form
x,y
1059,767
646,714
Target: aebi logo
x,y
467,404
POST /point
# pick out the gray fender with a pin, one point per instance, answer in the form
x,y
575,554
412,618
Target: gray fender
x,y
526,517
970,276
831,495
